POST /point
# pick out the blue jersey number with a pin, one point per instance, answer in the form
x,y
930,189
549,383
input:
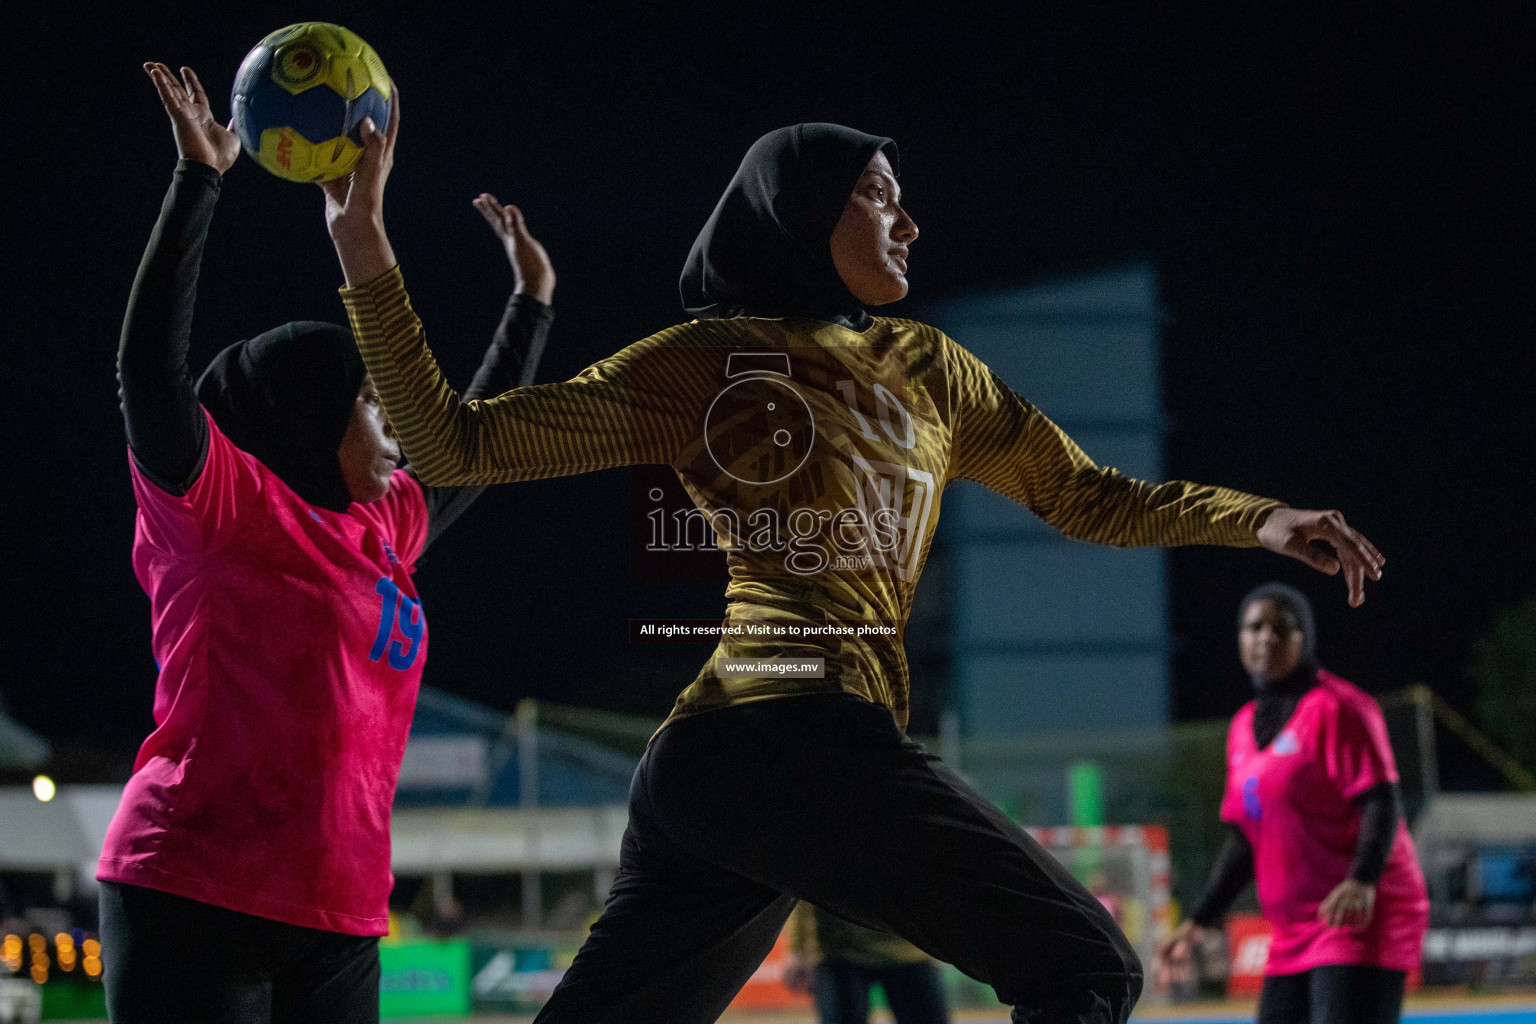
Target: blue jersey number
x,y
1251,803
396,608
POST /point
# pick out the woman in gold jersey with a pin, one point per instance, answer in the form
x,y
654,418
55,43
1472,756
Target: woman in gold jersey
x,y
817,441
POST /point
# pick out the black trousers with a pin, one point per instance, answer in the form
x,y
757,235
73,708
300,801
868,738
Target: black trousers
x,y
736,814
1333,995
171,960
914,992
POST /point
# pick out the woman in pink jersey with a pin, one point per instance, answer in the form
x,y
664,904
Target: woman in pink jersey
x,y
1316,819
245,875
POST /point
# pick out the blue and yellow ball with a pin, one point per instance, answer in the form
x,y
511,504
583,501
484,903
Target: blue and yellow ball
x,y
300,95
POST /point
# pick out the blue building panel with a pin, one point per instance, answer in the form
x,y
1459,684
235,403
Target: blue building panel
x,y
1098,371
1048,634
1053,594
1030,693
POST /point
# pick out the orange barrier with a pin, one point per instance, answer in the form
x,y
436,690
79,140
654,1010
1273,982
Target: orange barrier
x,y
765,989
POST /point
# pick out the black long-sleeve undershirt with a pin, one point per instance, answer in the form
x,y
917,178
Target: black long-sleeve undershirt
x,y
167,432
166,429
511,361
1380,808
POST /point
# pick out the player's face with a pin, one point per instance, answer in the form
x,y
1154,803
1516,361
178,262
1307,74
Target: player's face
x,y
369,451
1268,641
871,240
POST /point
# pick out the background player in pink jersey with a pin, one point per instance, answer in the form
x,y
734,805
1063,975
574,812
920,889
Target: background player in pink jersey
x,y
1316,819
245,875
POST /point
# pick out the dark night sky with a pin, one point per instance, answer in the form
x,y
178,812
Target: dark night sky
x,y
1340,205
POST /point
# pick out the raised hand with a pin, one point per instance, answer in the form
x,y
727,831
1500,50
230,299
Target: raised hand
x,y
532,271
1291,531
198,136
354,203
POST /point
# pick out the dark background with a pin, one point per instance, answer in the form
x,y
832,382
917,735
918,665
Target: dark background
x,y
1340,206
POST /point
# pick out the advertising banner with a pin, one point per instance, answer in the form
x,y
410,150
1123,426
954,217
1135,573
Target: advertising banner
x,y
1248,947
421,979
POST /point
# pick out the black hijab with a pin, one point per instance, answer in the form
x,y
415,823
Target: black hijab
x,y
286,397
766,249
1277,698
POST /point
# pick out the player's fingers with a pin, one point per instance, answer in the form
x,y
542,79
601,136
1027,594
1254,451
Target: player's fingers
x,y
515,216
1368,553
194,87
1356,562
371,164
336,188
1317,557
1346,540
1365,545
490,212
393,128
1354,578
164,86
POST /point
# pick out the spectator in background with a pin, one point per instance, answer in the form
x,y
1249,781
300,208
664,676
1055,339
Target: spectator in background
x,y
838,962
1316,819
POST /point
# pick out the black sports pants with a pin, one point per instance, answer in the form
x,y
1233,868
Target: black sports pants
x,y
735,814
914,992
172,960
1340,994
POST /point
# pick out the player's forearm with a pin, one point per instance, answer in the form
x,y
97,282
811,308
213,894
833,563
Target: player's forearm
x,y
510,361
1381,808
1230,875
1103,506
1117,510
165,425
435,427
364,251
514,353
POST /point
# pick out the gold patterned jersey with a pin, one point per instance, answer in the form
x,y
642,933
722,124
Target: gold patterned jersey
x,y
817,455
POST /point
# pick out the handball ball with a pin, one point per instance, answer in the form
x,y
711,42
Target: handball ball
x,y
300,95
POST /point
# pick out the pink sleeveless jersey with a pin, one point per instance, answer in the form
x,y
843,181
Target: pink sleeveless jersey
x,y
290,642
1294,801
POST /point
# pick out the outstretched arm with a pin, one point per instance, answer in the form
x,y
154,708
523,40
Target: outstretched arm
x,y
167,431
636,407
1005,443
513,356
518,343
1230,875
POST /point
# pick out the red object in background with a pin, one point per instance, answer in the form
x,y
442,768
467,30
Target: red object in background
x,y
1248,948
765,989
